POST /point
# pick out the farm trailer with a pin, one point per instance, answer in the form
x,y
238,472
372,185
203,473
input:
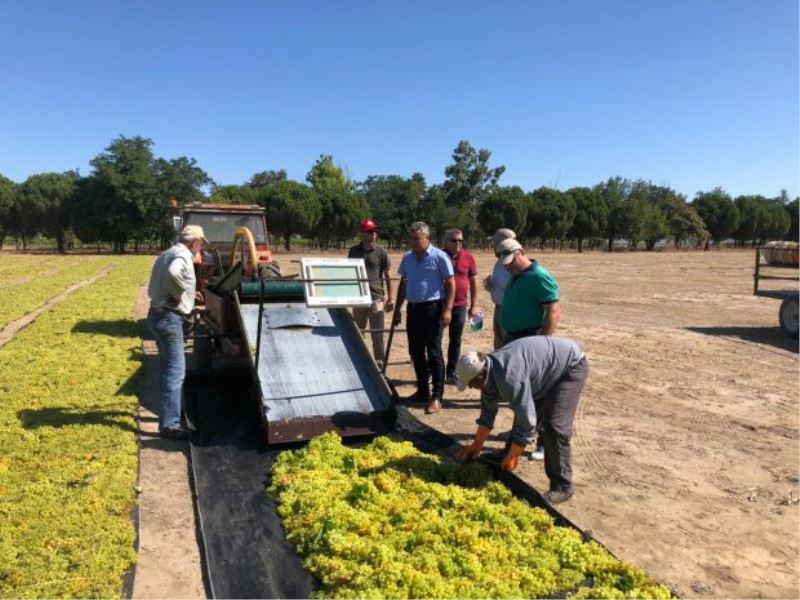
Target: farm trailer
x,y
770,260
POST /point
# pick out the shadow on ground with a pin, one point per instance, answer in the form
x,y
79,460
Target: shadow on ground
x,y
117,328
65,416
771,336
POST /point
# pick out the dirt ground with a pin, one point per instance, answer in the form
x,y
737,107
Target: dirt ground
x,y
686,446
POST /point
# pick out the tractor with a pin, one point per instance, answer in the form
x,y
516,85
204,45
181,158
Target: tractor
x,y
294,336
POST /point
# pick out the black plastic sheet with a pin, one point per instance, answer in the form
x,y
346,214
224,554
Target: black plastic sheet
x,y
245,551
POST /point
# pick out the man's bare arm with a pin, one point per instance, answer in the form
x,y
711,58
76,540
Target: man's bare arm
x,y
552,318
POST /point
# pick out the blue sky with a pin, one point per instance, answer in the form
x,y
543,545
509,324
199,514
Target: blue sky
x,y
688,93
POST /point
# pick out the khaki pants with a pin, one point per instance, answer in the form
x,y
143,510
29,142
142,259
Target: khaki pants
x,y
375,315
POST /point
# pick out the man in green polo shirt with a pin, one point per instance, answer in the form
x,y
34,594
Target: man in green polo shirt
x,y
530,301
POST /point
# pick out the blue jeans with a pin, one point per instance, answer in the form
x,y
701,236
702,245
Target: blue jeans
x,y
167,328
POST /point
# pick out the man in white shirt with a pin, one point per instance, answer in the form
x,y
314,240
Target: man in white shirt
x,y
172,292
495,284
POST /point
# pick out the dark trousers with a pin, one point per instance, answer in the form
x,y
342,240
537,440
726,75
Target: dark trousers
x,y
424,328
510,337
455,331
558,410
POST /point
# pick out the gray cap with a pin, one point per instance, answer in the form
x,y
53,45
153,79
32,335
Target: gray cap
x,y
505,250
503,234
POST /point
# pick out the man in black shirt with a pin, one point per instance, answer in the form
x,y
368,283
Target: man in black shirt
x,y
376,260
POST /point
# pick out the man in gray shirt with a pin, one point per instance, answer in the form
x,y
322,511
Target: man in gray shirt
x,y
378,265
541,378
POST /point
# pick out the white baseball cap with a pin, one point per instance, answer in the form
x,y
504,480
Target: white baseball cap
x,y
504,233
193,232
468,367
505,250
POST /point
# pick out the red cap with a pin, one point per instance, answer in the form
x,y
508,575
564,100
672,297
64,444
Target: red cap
x,y
367,225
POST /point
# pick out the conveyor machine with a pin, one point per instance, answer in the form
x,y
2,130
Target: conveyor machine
x,y
311,369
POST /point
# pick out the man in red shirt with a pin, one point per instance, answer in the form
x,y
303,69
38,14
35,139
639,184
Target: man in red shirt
x,y
466,277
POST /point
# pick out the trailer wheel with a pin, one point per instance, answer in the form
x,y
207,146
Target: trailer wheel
x,y
788,316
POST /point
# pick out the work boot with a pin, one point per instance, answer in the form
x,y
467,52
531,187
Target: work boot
x,y
558,496
179,434
434,406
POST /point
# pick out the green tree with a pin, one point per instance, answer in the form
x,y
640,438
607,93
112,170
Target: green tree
x,y
614,193
752,215
440,215
234,194
45,200
551,214
646,221
341,208
776,223
469,179
125,194
394,203
654,226
181,179
718,212
683,221
88,222
178,181
267,178
504,207
590,216
292,208
792,211
8,198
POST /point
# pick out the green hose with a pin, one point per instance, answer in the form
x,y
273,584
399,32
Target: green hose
x,y
273,288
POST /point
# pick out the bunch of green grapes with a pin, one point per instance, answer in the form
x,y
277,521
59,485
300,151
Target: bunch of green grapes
x,y
389,521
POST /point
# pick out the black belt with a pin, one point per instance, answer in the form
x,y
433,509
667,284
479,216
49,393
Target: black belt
x,y
426,303
523,333
172,310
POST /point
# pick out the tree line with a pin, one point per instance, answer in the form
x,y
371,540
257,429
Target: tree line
x,y
129,195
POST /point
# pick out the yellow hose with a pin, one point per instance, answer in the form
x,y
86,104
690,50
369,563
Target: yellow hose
x,y
244,232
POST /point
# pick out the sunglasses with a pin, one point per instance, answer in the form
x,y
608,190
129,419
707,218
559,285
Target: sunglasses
x,y
458,241
505,253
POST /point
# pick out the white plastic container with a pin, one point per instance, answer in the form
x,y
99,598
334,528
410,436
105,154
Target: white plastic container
x,y
476,321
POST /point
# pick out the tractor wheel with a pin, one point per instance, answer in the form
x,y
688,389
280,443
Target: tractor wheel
x,y
788,316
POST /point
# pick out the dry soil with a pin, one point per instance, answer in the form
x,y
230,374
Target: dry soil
x,y
686,449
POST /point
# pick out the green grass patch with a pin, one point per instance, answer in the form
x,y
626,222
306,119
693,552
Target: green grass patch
x,y
19,266
68,449
388,521
16,300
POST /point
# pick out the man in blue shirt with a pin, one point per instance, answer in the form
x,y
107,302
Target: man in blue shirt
x,y
430,290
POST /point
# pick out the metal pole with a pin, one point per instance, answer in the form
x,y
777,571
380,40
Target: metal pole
x,y
756,271
401,294
260,319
